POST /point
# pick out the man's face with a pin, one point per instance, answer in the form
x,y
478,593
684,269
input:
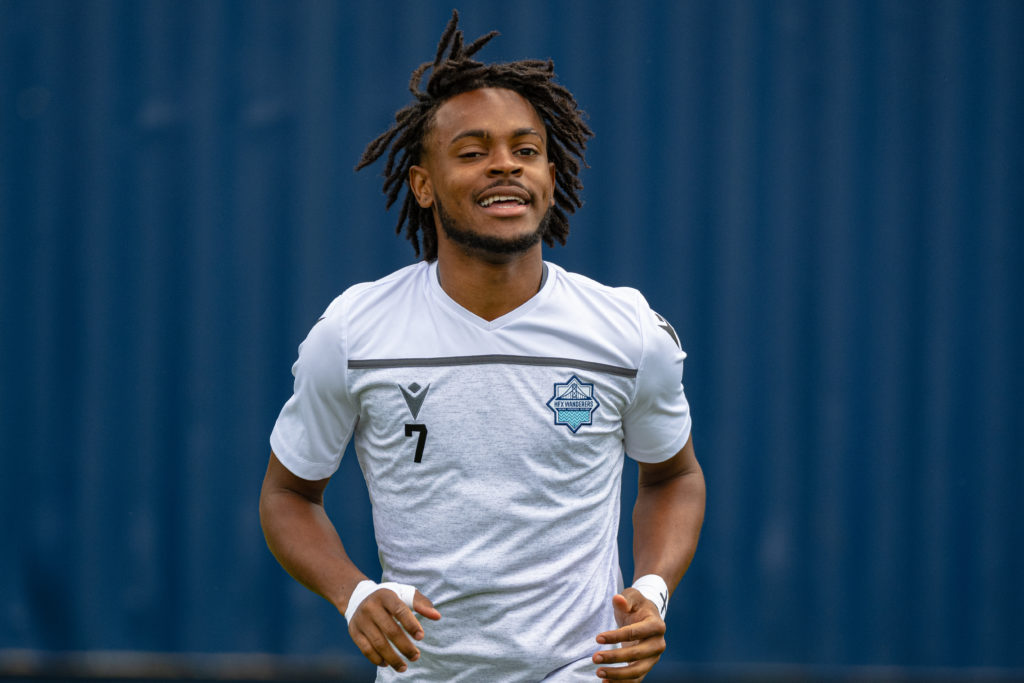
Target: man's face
x,y
485,172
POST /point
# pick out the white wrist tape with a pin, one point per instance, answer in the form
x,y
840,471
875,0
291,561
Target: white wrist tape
x,y
365,588
654,588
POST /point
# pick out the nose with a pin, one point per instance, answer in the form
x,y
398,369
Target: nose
x,y
504,163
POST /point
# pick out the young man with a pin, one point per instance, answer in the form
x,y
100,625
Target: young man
x,y
491,397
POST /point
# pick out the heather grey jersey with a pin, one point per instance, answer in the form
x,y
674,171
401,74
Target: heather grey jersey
x,y
492,452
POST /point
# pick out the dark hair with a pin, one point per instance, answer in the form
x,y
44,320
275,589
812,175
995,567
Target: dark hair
x,y
455,73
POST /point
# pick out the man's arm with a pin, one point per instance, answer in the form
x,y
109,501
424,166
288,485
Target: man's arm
x,y
305,542
667,518
668,515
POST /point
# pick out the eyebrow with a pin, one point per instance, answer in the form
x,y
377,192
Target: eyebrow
x,y
481,133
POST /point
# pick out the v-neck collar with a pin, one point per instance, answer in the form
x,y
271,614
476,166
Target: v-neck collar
x,y
434,280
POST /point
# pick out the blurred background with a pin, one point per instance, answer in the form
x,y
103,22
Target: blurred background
x,y
825,198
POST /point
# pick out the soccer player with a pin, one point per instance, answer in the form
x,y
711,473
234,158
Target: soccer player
x,y
491,397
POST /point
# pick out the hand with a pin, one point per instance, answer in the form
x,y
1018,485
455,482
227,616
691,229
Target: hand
x,y
641,630
383,620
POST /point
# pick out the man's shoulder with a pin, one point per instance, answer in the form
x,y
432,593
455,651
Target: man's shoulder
x,y
410,274
587,287
371,294
622,313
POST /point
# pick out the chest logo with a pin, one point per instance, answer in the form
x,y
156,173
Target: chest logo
x,y
573,404
414,395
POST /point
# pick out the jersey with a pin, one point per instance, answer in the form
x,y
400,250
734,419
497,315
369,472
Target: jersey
x,y
492,452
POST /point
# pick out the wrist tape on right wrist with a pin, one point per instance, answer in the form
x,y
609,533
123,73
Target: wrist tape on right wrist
x,y
363,590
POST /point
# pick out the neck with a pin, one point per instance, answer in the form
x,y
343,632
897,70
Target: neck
x,y
490,288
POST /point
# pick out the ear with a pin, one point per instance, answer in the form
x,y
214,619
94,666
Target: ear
x,y
422,189
554,185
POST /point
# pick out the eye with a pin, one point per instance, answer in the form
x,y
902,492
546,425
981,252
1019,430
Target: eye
x,y
472,154
527,152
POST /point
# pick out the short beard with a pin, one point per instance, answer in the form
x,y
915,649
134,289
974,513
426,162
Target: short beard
x,y
488,244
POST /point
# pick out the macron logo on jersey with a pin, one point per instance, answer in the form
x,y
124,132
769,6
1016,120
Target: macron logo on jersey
x,y
573,404
669,330
414,396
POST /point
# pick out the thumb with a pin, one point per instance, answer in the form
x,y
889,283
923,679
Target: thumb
x,y
628,601
422,605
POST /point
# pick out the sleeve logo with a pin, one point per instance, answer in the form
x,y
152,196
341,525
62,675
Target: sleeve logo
x,y
669,330
573,404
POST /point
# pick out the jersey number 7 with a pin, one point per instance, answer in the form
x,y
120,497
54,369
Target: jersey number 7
x,y
422,430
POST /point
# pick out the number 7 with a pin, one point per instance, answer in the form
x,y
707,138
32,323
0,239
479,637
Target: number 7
x,y
422,429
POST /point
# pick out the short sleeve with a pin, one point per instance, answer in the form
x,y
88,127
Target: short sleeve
x,y
657,424
316,423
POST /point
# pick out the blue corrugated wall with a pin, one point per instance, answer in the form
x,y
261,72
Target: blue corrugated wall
x,y
824,197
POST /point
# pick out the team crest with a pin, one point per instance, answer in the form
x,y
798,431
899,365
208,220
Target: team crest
x,y
573,404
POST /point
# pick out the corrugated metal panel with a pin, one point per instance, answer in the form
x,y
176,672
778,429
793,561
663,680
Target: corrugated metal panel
x,y
824,197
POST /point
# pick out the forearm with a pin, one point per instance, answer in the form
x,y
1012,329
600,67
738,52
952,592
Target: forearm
x,y
302,538
667,519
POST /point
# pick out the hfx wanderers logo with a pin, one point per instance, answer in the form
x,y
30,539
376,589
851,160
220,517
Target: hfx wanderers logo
x,y
573,404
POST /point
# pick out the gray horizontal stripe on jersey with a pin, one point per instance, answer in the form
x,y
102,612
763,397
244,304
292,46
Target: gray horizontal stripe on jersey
x,y
382,363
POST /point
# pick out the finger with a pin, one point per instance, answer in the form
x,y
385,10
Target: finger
x,y
410,623
634,672
631,606
630,600
424,606
375,623
398,627
651,627
398,621
366,648
621,603
645,649
375,646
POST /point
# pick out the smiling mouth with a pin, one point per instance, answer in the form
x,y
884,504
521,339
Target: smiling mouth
x,y
502,200
504,195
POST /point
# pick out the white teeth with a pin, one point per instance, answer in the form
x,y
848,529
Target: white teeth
x,y
499,198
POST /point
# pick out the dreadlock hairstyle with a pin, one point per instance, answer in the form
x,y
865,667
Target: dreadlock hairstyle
x,y
455,73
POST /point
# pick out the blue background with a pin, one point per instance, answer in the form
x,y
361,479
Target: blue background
x,y
825,198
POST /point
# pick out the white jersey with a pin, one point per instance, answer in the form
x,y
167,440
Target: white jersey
x,y
492,452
